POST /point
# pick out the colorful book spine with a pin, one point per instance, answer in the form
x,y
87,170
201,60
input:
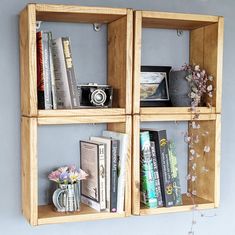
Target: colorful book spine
x,y
174,174
40,79
160,138
156,174
114,175
70,72
147,182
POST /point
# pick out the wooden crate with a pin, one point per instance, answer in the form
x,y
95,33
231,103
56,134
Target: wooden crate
x,y
119,57
206,49
119,40
45,214
207,186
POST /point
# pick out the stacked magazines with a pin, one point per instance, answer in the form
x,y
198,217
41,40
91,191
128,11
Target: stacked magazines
x,y
159,176
56,83
104,159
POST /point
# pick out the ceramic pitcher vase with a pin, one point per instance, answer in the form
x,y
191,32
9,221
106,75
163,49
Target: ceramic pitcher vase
x,y
66,197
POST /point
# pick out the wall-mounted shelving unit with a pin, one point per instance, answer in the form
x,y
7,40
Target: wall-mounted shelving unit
x,y
206,49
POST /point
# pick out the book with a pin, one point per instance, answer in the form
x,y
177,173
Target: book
x,y
43,70
160,139
52,74
60,71
147,182
156,174
123,152
40,78
46,36
92,161
174,174
114,175
91,203
108,153
70,72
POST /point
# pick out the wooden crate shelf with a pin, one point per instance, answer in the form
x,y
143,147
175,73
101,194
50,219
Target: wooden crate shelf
x,y
206,49
207,184
44,214
119,47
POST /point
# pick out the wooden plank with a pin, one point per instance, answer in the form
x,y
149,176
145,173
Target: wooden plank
x,y
210,55
75,13
176,20
27,25
79,119
175,110
197,46
126,128
137,61
29,169
129,61
217,160
175,117
136,166
219,71
204,185
81,112
188,205
120,61
48,215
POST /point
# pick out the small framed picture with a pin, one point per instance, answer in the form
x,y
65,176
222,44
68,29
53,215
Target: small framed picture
x,y
154,86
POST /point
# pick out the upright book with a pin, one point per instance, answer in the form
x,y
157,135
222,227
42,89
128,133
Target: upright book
x,y
156,174
65,82
123,151
160,139
108,155
44,88
175,174
147,182
92,161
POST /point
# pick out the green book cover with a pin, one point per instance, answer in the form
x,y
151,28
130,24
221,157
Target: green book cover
x,y
174,174
147,181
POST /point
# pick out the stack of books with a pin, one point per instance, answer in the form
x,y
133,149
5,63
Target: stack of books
x,y
104,159
56,83
159,176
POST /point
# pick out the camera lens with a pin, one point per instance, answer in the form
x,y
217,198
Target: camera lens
x,y
98,97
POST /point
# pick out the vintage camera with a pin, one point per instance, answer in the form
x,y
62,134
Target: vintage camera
x,y
95,95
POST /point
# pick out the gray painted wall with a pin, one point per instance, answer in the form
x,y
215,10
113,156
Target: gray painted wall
x,y
63,140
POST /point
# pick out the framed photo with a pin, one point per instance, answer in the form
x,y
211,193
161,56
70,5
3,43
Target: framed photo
x,y
154,86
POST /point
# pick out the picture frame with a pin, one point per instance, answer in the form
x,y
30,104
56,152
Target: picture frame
x,y
154,88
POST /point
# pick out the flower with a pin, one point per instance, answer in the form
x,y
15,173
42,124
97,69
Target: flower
x,y
200,83
67,175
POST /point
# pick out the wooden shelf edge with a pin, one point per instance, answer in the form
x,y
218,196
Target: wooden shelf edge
x,y
188,205
176,110
175,209
180,16
176,117
81,112
81,120
69,8
47,215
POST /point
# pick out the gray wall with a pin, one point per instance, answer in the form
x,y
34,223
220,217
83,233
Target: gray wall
x,y
217,222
